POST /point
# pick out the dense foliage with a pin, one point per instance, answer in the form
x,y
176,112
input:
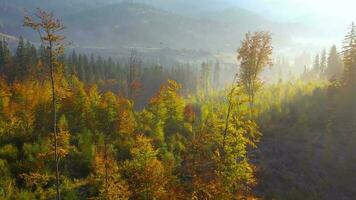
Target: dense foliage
x,y
180,141
308,144
176,147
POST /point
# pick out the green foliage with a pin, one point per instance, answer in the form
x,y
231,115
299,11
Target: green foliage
x,y
204,145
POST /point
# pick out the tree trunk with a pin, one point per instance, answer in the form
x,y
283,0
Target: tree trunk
x,y
54,121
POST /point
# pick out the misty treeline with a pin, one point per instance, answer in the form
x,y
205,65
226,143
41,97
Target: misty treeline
x,y
326,65
70,133
308,144
190,139
133,77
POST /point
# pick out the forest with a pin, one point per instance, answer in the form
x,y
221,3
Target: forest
x,y
77,125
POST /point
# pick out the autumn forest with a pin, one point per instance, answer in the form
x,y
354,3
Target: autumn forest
x,y
84,125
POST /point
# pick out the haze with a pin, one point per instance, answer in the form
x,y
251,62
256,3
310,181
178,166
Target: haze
x,y
177,99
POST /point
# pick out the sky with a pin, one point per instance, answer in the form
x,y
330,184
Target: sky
x,y
290,10
328,19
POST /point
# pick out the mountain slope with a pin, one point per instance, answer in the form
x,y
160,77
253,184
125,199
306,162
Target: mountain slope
x,y
139,25
133,25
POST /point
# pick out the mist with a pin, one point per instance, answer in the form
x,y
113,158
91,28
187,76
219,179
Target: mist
x,y
177,99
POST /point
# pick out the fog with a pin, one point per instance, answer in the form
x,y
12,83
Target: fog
x,y
190,30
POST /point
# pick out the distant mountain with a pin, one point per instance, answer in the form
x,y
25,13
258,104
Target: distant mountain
x,y
108,25
139,25
12,11
191,8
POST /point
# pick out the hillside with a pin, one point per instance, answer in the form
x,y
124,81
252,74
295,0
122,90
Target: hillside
x,y
138,25
135,25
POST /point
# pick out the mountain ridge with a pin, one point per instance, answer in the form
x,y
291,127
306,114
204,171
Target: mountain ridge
x,y
133,25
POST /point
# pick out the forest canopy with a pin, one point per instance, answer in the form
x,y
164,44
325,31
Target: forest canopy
x,y
84,126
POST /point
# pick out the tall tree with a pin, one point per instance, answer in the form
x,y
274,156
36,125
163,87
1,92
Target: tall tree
x,y
254,55
216,77
334,65
133,83
5,57
93,68
20,58
349,56
80,68
48,28
205,76
316,65
323,62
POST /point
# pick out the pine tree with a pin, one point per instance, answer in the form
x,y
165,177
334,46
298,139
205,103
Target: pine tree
x,y
205,77
73,63
216,79
349,56
81,68
6,65
334,65
21,60
323,62
316,65
99,67
133,82
110,68
2,55
87,69
92,66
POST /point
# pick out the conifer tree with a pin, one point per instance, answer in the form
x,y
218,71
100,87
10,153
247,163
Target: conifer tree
x,y
133,82
2,67
6,56
92,65
205,77
323,62
217,70
316,65
334,64
349,56
21,60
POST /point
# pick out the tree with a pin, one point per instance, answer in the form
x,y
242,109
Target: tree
x,y
80,68
334,65
216,76
73,60
316,65
323,62
145,173
21,59
48,27
205,77
107,175
31,55
5,58
93,75
254,55
107,116
133,83
349,56
216,163
167,109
